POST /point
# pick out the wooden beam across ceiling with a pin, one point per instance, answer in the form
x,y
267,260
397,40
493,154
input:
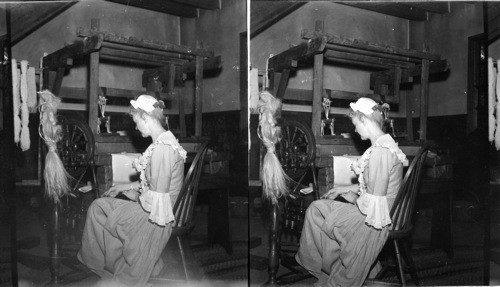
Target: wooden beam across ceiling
x,y
393,9
26,17
439,7
264,14
202,4
164,6
493,14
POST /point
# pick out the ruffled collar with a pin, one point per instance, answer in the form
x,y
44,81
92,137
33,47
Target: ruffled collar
x,y
142,162
360,165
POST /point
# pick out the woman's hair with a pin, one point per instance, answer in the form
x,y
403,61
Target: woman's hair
x,y
380,116
156,114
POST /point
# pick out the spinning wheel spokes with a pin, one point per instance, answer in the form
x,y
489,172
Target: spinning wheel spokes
x,y
296,149
76,148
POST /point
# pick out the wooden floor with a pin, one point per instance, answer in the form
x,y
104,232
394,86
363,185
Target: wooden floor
x,y
33,252
467,231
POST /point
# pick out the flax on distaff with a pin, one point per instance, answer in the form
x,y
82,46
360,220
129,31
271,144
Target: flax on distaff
x,y
274,179
55,175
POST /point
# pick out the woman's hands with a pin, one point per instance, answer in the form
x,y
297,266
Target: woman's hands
x,y
126,189
347,192
132,194
115,189
350,196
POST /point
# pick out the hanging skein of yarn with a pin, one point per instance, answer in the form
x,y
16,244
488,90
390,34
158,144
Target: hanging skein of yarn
x,y
274,179
55,175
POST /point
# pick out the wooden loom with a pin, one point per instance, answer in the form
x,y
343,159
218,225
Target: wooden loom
x,y
396,66
172,65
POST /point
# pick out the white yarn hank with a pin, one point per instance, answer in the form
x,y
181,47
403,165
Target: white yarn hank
x,y
497,110
32,97
492,73
25,133
16,101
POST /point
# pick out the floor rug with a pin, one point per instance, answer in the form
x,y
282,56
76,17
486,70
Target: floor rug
x,y
218,265
434,268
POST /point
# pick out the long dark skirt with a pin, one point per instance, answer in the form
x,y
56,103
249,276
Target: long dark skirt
x,y
120,244
336,245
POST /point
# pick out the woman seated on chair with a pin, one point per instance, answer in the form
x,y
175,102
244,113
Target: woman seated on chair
x,y
341,240
123,239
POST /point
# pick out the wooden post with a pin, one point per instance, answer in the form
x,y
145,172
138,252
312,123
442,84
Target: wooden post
x,y
46,79
273,82
317,88
54,225
56,88
244,119
94,83
424,99
55,251
198,93
285,75
409,118
317,94
274,256
396,83
172,92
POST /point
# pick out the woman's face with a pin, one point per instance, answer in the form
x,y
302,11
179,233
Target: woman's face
x,y
361,128
141,125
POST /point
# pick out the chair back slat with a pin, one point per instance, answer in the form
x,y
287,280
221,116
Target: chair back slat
x,y
184,206
403,207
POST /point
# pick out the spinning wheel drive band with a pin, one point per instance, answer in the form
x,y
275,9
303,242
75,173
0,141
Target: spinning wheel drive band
x,y
76,147
296,149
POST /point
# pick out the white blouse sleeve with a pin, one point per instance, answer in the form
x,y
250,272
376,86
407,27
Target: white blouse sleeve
x,y
156,200
375,208
373,203
158,205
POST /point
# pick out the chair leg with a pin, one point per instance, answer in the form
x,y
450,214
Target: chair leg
x,y
399,262
183,257
191,269
410,263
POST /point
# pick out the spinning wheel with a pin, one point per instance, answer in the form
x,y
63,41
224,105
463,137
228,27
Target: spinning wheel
x,y
76,151
296,149
76,148
296,152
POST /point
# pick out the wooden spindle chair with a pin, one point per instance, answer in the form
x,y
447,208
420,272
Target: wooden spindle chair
x,y
178,253
402,213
